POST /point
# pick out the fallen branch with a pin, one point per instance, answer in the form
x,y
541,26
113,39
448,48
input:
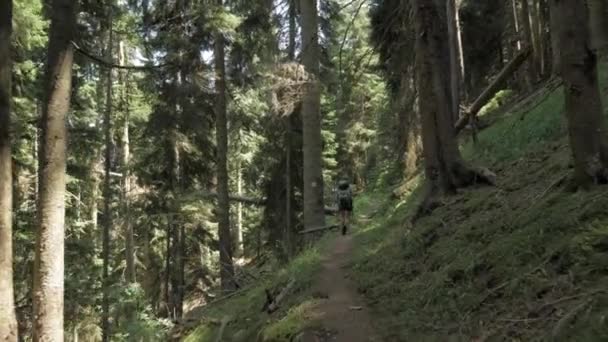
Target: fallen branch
x,y
318,229
272,304
492,89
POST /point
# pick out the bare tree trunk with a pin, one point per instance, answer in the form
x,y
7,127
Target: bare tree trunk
x,y
239,212
223,204
291,51
586,126
598,10
8,320
49,260
516,23
452,14
130,274
444,169
528,40
535,25
107,189
311,120
555,49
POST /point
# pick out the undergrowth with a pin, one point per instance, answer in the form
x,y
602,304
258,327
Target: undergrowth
x,y
246,319
522,261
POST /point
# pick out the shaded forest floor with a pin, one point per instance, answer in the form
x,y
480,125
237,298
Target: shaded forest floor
x,y
525,260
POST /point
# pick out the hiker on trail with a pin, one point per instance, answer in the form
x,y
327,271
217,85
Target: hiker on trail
x,y
344,199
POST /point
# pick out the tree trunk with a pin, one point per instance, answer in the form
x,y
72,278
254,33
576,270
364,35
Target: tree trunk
x,y
444,169
291,50
584,112
452,15
49,260
598,11
311,120
239,213
535,25
555,49
8,320
130,274
223,204
528,41
516,24
107,190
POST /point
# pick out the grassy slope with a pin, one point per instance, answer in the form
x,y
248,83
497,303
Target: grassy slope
x,y
248,322
522,261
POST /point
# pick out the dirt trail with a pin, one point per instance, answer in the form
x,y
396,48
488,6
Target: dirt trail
x,y
343,313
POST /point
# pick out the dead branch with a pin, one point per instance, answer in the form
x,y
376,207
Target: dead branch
x,y
276,302
492,89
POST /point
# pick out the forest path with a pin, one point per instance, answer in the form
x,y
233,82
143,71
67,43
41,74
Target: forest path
x,y
344,316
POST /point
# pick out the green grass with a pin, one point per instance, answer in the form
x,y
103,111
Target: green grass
x,y
247,321
522,261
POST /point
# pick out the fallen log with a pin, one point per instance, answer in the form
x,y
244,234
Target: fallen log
x,y
273,304
318,229
492,89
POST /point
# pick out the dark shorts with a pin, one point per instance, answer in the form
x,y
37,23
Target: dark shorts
x,y
345,204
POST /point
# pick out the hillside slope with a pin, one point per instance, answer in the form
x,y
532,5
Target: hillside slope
x,y
525,260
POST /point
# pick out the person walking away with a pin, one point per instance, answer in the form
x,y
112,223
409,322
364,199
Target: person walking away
x,y
344,199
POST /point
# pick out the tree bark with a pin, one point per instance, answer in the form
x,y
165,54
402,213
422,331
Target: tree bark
x,y
454,46
107,189
536,25
49,260
130,274
444,169
555,49
528,41
311,119
239,213
223,205
598,11
8,320
586,126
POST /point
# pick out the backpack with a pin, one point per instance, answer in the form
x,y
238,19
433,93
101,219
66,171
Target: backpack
x,y
344,193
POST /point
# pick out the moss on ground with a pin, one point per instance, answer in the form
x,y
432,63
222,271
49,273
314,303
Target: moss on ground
x,y
522,261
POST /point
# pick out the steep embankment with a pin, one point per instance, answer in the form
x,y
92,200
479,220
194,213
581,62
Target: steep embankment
x,y
525,260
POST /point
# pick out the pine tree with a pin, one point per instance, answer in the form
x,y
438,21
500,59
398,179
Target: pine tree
x,y
49,263
314,215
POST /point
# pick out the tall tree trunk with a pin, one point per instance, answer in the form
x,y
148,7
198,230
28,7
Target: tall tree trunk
x,y
49,260
598,10
555,49
528,40
239,212
291,50
107,189
126,177
536,27
517,26
314,215
223,204
586,126
8,320
452,14
444,169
